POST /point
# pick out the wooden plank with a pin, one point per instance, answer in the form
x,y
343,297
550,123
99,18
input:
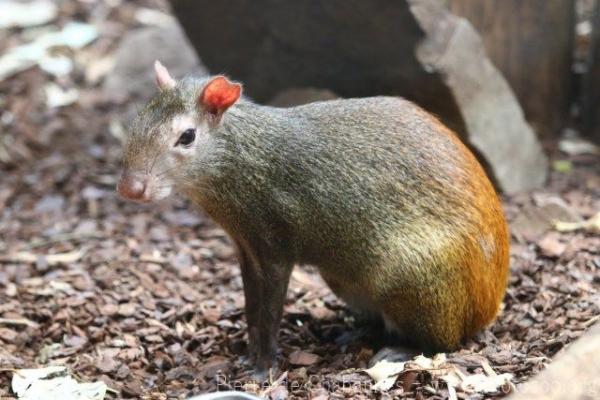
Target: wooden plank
x,y
574,375
531,43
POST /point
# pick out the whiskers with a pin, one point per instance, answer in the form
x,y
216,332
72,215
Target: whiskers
x,y
150,167
166,171
197,188
195,180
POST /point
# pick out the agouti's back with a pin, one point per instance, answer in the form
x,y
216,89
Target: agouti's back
x,y
385,200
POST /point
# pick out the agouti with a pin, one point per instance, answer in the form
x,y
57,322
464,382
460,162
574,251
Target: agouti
x,y
396,213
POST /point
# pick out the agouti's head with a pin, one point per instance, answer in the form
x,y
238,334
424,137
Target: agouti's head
x,y
172,141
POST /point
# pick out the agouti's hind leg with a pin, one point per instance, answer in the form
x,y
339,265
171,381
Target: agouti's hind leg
x,y
427,323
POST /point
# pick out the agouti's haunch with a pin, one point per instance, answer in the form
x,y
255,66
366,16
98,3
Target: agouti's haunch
x,y
393,209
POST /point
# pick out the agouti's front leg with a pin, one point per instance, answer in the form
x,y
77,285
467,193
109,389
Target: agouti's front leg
x,y
265,287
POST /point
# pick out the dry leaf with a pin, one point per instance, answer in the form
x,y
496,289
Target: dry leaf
x,y
300,357
19,321
551,246
591,225
576,146
23,15
481,383
50,259
276,390
384,373
54,383
127,309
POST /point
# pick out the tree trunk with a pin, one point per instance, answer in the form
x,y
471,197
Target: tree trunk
x,y
531,43
591,85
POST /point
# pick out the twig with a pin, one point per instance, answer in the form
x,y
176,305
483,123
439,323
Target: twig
x,y
63,237
51,259
274,385
591,321
20,321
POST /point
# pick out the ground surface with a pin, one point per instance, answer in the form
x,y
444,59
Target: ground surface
x,y
149,298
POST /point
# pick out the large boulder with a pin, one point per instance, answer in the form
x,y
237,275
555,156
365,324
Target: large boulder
x,y
415,48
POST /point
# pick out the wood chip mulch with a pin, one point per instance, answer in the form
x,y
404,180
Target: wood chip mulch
x,y
149,298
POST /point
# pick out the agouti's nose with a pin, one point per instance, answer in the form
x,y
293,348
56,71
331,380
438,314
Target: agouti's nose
x,y
131,187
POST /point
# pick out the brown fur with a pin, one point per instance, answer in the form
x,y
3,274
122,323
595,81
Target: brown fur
x,y
392,208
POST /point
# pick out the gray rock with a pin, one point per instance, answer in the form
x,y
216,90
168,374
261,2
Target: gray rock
x,y
133,74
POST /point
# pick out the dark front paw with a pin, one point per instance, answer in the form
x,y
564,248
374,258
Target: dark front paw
x,y
247,361
264,366
260,375
266,362
260,364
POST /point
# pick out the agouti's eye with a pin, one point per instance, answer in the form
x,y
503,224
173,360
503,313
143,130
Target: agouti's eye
x,y
186,138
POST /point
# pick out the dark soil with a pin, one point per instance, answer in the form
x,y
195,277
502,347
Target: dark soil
x,y
149,298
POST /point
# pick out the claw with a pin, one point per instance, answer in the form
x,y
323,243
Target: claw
x,y
260,375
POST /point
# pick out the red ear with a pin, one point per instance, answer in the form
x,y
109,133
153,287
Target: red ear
x,y
219,94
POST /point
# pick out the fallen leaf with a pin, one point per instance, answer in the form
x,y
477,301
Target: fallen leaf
x,y
107,364
551,246
303,358
384,373
74,35
51,259
591,225
481,383
23,15
75,341
576,146
562,166
154,339
213,365
18,321
109,310
58,97
127,309
277,389
54,382
8,335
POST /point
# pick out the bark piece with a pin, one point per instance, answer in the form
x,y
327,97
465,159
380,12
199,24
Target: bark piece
x,y
531,43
